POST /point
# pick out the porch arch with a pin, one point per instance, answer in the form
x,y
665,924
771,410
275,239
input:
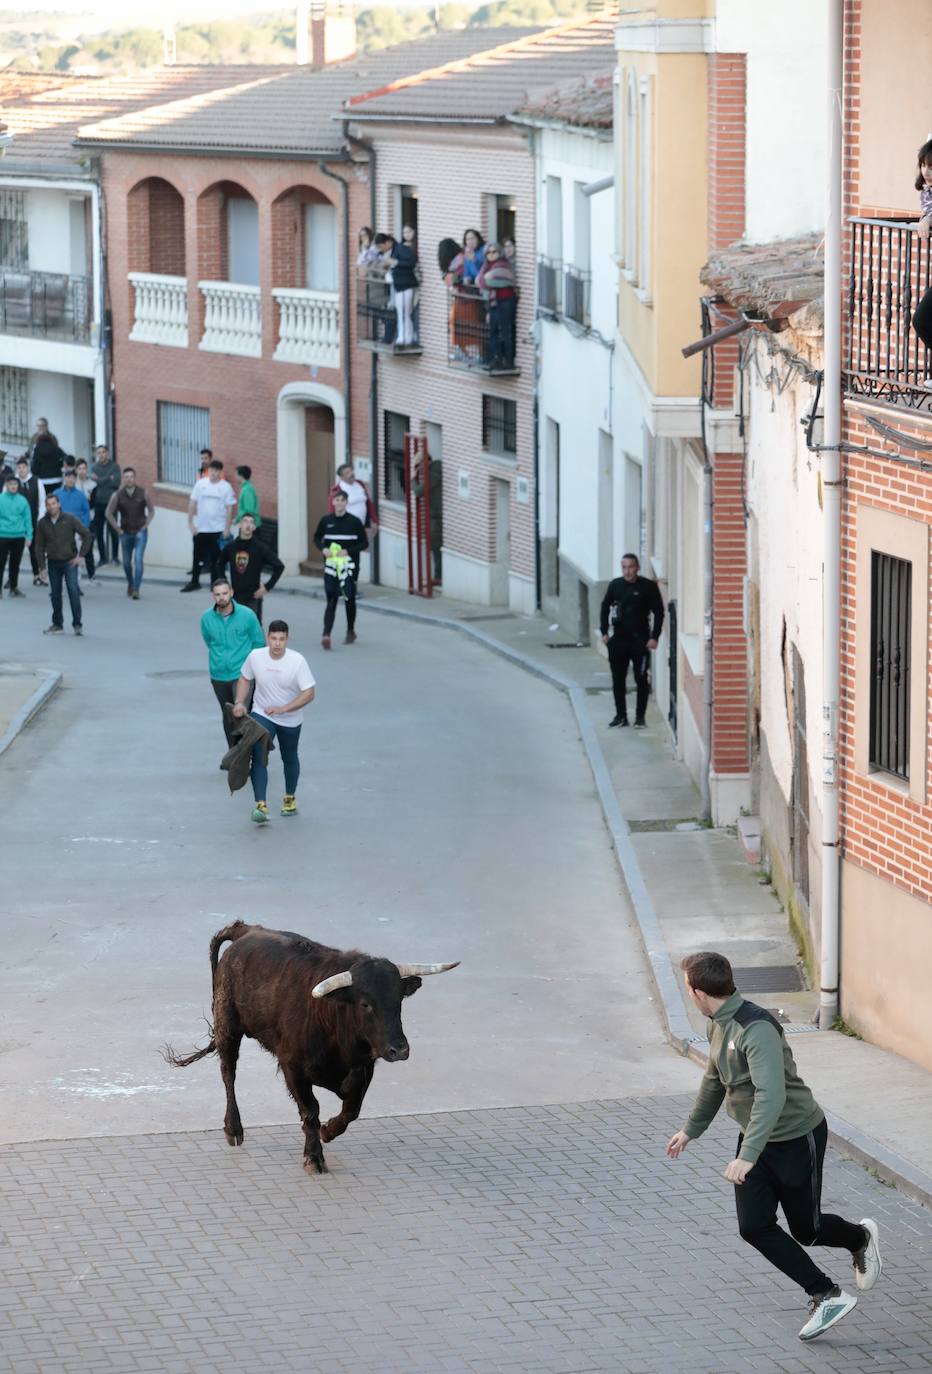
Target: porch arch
x,y
291,441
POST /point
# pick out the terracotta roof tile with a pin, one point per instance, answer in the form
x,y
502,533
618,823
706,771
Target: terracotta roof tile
x,y
758,277
590,105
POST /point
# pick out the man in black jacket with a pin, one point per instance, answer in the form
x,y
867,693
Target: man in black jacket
x,y
29,487
341,538
55,547
245,557
631,603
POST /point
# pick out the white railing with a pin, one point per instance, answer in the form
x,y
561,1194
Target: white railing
x,y
161,314
232,319
309,326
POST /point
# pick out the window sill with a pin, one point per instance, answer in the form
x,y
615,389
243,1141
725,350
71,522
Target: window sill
x,y
504,460
693,647
644,296
889,780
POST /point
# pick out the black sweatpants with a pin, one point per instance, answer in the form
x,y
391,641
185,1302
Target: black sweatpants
x,y
621,653
333,593
206,555
225,692
106,536
789,1174
922,319
12,549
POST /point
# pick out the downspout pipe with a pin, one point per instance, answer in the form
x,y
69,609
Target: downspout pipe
x,y
346,351
370,152
830,475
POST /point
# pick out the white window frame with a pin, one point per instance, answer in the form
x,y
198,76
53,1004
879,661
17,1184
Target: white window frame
x,y
631,179
645,186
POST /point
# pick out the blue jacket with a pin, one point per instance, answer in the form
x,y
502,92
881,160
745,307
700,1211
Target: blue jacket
x,y
74,502
15,516
230,639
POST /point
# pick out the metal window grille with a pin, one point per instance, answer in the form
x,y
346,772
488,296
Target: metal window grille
x,y
499,425
548,286
182,432
14,406
396,427
576,295
44,304
891,614
14,231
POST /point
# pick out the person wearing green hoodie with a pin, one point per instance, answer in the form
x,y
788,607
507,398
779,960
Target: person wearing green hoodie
x,y
15,530
230,632
781,1145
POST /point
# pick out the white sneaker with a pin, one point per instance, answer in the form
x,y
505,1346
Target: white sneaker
x,y
868,1266
826,1311
927,384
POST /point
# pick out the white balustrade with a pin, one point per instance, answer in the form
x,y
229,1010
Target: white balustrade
x,y
232,319
309,326
161,313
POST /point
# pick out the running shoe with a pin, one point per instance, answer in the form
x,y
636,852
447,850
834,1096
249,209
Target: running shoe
x,y
289,806
54,630
260,813
16,592
78,630
618,720
640,724
325,642
868,1266
350,637
825,1311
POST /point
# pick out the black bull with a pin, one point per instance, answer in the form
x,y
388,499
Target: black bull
x,y
326,1014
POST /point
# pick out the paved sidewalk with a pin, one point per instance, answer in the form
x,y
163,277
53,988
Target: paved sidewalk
x,y
557,1240
24,690
690,885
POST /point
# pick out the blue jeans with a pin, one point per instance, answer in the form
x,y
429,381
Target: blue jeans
x,y
287,737
63,569
130,544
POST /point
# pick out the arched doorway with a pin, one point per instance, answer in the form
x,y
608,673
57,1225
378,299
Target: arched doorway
x,y
311,430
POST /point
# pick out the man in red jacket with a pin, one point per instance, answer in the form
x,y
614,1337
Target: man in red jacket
x,y
358,498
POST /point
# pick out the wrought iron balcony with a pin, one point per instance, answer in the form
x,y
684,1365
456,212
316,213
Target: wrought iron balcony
x,y
47,305
890,272
549,293
576,296
377,320
473,342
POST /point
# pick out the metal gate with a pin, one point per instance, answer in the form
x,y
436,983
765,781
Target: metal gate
x,y
182,432
671,660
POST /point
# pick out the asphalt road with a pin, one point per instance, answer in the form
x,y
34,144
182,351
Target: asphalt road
x,y
447,812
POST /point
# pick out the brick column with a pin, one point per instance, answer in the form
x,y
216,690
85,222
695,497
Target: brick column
x,y
729,752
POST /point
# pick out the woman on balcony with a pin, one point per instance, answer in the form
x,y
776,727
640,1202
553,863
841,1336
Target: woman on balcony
x,y
499,286
467,314
922,319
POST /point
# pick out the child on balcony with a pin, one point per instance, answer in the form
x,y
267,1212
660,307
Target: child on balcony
x,y
922,319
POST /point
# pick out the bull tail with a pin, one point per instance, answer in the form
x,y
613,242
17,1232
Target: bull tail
x,y
233,932
179,1061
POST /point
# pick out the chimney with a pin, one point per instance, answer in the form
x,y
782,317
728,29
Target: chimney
x,y
333,33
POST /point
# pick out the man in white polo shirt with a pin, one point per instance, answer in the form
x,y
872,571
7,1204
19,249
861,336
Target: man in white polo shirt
x,y
210,515
284,685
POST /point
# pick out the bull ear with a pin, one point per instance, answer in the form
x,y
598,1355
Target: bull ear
x,y
409,986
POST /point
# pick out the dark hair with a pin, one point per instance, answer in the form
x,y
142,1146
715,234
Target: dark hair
x,y
52,496
447,250
278,627
79,461
22,459
126,470
216,464
709,973
208,451
477,234
364,229
924,155
219,582
382,238
634,556
340,495
341,467
244,470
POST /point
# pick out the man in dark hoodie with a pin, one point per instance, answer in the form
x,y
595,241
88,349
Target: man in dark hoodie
x,y
633,606
245,558
341,538
46,457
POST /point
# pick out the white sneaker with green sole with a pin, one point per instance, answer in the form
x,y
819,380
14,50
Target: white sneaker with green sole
x,y
825,1311
868,1266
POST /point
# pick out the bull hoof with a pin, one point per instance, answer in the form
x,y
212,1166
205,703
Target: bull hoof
x,y
316,1166
233,1137
326,1134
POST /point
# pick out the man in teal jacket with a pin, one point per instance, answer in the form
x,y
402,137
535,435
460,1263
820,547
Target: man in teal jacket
x,y
231,632
15,530
781,1146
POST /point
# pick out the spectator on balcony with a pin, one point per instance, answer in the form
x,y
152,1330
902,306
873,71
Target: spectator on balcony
x,y
367,255
210,515
130,513
499,286
401,260
16,529
510,252
248,503
106,474
922,319
473,256
31,488
46,457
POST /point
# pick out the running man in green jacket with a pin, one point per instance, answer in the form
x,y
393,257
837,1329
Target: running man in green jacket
x,y
231,632
781,1146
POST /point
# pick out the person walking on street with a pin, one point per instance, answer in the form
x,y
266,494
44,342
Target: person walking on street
x,y
341,538
245,557
435,492
630,604
32,489
230,633
106,474
46,458
55,548
74,502
781,1144
86,484
130,513
283,685
15,530
210,515
248,503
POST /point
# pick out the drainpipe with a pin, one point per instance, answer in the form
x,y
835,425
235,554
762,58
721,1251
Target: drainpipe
x,y
345,330
830,475
369,150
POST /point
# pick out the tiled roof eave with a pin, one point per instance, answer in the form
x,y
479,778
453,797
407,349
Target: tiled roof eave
x,y
603,132
332,152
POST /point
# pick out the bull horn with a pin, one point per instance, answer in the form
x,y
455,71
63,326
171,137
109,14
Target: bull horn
x,y
339,980
422,970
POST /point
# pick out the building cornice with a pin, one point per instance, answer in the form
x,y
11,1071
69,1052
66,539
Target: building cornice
x,y
667,417
666,36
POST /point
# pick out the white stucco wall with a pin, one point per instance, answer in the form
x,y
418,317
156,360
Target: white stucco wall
x,y
56,232
66,403
786,150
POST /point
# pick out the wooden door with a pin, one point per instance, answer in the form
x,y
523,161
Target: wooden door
x,y
321,474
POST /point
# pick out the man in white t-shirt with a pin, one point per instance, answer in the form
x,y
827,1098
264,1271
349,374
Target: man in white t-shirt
x,y
210,515
284,685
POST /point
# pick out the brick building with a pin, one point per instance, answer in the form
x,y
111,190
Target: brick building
x,y
447,159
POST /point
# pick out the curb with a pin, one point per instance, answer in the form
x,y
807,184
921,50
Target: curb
x,y
847,1139
30,708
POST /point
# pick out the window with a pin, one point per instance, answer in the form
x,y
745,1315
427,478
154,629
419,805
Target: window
x,y
14,231
500,426
243,240
503,213
891,607
405,208
396,427
554,205
581,209
320,247
14,406
645,166
629,247
182,432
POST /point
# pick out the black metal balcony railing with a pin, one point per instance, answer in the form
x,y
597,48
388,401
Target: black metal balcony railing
x,y
576,296
548,286
45,304
376,317
474,340
891,269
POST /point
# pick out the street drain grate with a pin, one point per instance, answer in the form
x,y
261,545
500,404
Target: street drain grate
x,y
783,978
177,673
